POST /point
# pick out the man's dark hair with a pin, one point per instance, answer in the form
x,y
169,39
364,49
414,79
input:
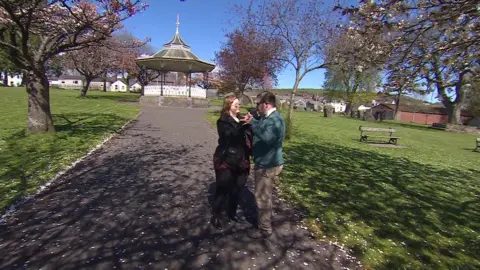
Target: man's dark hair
x,y
267,97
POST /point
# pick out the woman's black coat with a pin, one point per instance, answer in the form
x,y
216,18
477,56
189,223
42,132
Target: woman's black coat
x,y
233,134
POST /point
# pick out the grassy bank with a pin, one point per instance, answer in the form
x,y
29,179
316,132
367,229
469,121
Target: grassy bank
x,y
413,208
29,160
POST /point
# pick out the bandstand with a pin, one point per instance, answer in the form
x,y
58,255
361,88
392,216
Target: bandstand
x,y
176,56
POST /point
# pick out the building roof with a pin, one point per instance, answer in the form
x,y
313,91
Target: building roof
x,y
176,56
427,109
71,77
176,40
131,82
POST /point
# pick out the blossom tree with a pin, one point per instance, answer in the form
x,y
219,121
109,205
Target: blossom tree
x,y
268,82
127,67
32,32
246,58
93,61
438,41
203,80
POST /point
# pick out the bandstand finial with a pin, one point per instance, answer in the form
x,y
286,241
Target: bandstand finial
x,y
178,22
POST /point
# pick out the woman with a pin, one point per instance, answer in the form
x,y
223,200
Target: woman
x,y
231,159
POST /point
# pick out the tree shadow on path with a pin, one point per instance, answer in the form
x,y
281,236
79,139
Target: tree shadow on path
x,y
142,202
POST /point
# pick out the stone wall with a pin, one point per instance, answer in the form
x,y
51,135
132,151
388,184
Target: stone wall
x,y
200,103
175,102
149,101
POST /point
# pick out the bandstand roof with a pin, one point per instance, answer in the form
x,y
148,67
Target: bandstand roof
x,y
176,56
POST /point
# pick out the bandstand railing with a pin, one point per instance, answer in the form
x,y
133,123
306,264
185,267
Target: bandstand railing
x,y
175,91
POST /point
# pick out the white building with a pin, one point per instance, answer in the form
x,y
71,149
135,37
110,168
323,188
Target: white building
x,y
97,84
118,86
338,106
13,79
70,82
53,81
135,87
363,108
376,102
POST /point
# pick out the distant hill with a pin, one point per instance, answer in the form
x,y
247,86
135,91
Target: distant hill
x,y
318,91
315,90
310,90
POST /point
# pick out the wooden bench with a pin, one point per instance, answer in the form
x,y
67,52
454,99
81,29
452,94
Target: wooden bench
x,y
438,126
391,139
478,144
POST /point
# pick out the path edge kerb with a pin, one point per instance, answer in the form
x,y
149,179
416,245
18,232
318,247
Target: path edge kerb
x,y
11,208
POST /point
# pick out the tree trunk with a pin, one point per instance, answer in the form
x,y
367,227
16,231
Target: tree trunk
x,y
105,83
352,113
39,115
249,98
454,112
83,93
348,108
5,78
454,109
289,131
127,82
397,103
24,78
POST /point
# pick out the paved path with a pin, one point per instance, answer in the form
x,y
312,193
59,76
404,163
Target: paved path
x,y
143,202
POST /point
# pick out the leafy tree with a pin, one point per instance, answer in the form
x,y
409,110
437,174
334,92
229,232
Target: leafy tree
x,y
347,70
54,67
303,27
145,76
473,98
6,68
400,83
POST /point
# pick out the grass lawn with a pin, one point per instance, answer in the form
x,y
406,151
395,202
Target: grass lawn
x,y
216,102
29,160
411,208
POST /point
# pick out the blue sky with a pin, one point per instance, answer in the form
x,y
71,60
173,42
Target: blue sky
x,y
203,24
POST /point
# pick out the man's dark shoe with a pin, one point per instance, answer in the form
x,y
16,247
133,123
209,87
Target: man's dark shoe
x,y
257,233
237,219
215,221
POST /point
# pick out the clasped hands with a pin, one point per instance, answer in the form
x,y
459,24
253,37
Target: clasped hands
x,y
246,119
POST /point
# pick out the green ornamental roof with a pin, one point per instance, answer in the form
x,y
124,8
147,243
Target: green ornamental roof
x,y
176,56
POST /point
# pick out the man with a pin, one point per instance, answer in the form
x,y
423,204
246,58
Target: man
x,y
268,134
